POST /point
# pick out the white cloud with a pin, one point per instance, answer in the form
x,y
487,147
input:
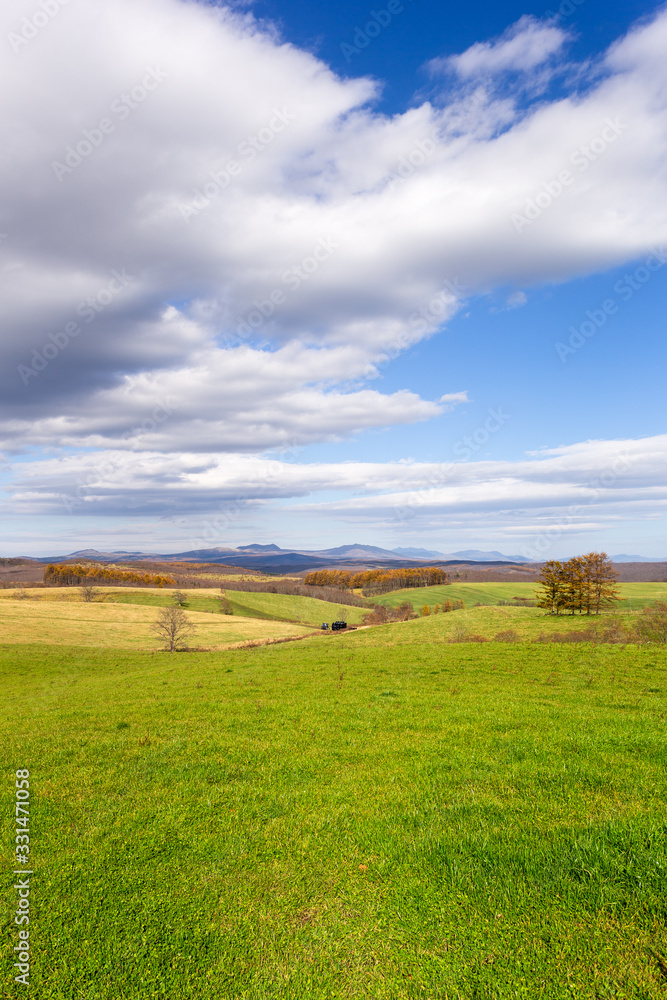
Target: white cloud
x,y
337,236
526,45
589,474
453,399
228,400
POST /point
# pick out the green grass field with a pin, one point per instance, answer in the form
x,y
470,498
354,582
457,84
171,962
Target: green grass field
x,y
487,621
492,593
339,818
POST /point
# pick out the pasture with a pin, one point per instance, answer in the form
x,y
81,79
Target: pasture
x,y
123,625
494,593
345,816
266,606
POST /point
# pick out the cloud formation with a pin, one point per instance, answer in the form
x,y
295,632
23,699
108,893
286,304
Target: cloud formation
x,y
214,242
526,45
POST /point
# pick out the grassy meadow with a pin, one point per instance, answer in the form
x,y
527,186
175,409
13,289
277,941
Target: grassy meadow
x,y
486,621
380,814
124,626
270,607
641,594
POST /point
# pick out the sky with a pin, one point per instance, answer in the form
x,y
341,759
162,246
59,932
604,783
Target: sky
x,y
315,274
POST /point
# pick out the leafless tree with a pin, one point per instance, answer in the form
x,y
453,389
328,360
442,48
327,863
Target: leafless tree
x,y
173,627
88,593
180,598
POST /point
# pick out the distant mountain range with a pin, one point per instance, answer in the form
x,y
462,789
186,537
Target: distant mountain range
x,y
272,558
635,559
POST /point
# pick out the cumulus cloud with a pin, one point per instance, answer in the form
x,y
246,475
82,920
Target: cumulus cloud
x,y
207,223
524,46
269,201
240,399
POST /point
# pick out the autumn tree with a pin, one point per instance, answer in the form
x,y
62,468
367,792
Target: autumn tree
x,y
604,588
574,584
584,584
404,612
551,597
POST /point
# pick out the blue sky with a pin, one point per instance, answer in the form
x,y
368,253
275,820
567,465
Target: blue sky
x,y
315,274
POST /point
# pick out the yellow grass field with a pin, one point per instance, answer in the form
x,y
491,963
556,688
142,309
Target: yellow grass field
x,y
124,626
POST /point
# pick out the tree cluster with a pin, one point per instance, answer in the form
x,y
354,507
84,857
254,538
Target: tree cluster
x,y
288,586
381,614
378,581
585,584
76,574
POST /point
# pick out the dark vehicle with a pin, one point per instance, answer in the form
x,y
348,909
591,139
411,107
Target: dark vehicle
x,y
324,626
335,626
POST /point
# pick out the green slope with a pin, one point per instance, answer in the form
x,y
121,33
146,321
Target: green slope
x,y
285,607
492,593
486,621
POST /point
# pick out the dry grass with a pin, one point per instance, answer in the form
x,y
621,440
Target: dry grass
x,y
123,626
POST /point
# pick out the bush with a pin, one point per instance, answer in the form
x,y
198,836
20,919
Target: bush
x,y
225,605
651,625
507,635
460,633
582,635
381,614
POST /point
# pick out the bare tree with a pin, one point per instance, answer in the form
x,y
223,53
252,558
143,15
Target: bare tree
x,y
88,592
173,627
180,598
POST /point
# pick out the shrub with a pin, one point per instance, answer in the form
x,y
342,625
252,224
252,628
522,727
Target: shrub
x,y
651,625
582,635
506,635
225,605
460,633
381,614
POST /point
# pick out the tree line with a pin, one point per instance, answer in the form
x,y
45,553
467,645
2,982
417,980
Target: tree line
x,y
76,574
585,584
377,581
